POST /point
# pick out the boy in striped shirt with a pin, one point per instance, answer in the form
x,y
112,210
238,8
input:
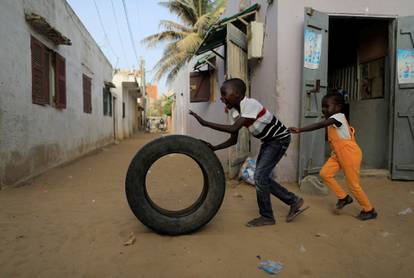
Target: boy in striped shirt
x,y
275,137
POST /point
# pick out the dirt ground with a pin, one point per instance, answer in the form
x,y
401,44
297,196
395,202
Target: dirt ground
x,y
73,222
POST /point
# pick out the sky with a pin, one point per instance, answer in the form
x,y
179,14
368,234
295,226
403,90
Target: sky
x,y
144,17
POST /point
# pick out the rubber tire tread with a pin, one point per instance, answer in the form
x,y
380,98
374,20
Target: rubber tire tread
x,y
181,222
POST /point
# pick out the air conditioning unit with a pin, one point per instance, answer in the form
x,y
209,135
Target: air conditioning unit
x,y
255,36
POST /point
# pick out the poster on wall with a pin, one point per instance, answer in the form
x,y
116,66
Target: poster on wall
x,y
313,48
405,58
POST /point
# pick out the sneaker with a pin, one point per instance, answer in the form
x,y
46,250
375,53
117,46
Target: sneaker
x,y
343,202
261,221
367,215
295,209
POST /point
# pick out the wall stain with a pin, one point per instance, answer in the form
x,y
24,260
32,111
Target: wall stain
x,y
41,158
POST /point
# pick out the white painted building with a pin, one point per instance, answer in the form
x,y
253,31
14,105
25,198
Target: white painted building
x,y
358,47
54,84
128,103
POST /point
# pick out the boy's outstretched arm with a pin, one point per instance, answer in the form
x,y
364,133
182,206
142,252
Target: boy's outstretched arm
x,y
230,142
314,126
234,128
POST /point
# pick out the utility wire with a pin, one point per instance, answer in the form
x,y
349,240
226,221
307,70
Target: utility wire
x,y
119,33
131,36
104,31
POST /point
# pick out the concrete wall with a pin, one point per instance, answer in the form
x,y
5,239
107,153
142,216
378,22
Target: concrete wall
x,y
289,48
212,111
126,93
181,88
35,138
131,114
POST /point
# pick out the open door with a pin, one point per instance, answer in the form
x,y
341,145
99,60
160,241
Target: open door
x,y
236,64
314,85
403,130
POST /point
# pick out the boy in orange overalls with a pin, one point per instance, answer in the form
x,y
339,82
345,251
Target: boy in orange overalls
x,y
346,155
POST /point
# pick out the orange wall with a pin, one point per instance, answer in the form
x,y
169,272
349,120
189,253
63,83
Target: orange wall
x,y
152,91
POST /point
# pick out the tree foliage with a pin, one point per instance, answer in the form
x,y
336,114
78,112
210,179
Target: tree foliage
x,y
183,39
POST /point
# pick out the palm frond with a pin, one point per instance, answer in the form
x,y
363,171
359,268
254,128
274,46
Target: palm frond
x,y
190,43
184,38
207,20
173,72
218,8
183,9
169,25
153,40
168,63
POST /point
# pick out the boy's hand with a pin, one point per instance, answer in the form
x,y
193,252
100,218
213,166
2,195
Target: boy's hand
x,y
294,129
198,118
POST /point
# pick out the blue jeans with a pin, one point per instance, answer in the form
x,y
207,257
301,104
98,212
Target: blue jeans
x,y
270,154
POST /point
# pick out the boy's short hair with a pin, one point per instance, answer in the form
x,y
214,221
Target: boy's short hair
x,y
336,96
237,84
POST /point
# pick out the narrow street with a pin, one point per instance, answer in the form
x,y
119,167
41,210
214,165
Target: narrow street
x,y
73,221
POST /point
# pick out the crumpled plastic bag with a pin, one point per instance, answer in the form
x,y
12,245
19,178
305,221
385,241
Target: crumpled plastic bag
x,y
270,267
247,170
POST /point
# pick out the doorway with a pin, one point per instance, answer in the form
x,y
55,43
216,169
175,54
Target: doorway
x,y
115,117
359,66
372,60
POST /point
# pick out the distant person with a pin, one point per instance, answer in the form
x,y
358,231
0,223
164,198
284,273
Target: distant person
x,y
162,125
148,126
275,139
346,155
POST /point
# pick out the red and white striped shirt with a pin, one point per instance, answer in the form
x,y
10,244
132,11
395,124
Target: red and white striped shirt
x,y
261,123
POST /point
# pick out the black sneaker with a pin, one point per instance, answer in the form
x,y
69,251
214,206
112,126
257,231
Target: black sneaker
x,y
296,209
343,202
260,221
367,215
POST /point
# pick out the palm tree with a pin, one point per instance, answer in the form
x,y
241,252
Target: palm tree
x,y
183,39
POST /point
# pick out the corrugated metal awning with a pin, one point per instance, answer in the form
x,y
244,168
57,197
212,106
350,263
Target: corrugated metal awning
x,y
244,13
216,36
40,24
205,60
109,84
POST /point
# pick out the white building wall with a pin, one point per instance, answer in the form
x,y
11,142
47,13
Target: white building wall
x,y
125,127
181,88
212,111
131,116
275,80
34,138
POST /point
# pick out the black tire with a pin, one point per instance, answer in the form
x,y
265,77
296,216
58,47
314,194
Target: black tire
x,y
189,219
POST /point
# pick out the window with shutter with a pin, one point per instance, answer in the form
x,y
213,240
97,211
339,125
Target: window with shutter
x,y
200,86
60,83
40,66
90,95
110,105
87,97
105,101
